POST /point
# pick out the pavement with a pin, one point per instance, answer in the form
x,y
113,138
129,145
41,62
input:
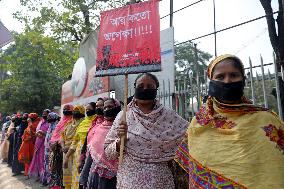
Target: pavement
x,y
7,181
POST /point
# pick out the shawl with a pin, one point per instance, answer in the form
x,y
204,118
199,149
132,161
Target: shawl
x,y
70,131
61,124
96,147
233,145
91,133
152,137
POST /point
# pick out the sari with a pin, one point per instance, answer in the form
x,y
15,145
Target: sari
x,y
47,150
37,165
233,145
17,167
77,143
5,141
103,171
56,155
11,139
67,136
26,150
153,139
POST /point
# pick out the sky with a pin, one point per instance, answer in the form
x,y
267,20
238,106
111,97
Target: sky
x,y
246,41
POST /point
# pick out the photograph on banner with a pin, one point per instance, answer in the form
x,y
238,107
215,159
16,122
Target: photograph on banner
x,y
129,40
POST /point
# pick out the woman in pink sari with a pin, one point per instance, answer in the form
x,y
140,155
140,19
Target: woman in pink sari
x,y
103,171
37,165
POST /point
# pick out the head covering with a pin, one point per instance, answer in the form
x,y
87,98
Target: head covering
x,y
220,59
53,115
61,124
83,127
33,115
223,139
79,108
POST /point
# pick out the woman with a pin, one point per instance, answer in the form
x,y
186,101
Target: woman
x,y
18,167
103,171
52,119
37,167
76,145
56,156
153,134
84,152
232,143
66,140
26,151
11,136
4,140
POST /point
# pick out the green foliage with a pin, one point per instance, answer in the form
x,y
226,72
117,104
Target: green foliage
x,y
38,66
186,60
64,19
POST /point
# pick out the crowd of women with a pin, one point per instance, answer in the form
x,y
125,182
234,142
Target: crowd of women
x,y
230,143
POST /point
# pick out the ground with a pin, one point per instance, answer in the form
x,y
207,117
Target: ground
x,y
7,181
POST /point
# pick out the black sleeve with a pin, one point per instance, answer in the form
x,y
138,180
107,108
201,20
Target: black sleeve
x,y
84,147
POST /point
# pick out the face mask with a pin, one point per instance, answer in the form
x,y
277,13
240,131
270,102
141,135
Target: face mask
x,y
226,91
24,119
78,115
90,112
145,94
44,117
67,112
13,120
99,111
112,112
33,119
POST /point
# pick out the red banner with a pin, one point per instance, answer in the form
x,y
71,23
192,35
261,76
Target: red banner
x,y
129,40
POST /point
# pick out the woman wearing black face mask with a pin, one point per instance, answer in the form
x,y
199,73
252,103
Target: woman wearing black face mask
x,y
103,171
153,133
99,106
230,139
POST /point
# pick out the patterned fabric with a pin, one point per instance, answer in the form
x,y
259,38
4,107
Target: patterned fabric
x,y
77,143
233,157
67,138
136,174
218,60
104,167
55,167
61,124
208,113
37,165
152,137
275,135
47,149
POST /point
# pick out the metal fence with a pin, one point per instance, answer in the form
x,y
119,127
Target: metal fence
x,y
262,88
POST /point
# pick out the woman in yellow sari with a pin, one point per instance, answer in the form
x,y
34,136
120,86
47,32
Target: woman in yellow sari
x,y
231,143
77,143
66,140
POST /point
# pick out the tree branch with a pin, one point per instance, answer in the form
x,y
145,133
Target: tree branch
x,y
266,4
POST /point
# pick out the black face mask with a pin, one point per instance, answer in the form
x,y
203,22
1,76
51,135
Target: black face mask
x,y
67,112
99,111
112,112
44,117
24,119
33,119
226,91
13,120
78,115
90,112
145,94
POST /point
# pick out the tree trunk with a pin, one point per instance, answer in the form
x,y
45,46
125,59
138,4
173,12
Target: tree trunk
x,y
276,37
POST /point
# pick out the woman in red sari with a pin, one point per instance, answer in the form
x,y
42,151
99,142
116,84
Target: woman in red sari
x,y
28,141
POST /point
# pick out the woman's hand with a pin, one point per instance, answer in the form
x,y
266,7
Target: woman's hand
x,y
65,163
122,129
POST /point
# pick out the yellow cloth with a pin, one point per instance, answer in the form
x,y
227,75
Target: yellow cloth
x,y
241,144
67,136
77,143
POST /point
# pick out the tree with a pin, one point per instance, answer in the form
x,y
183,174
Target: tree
x,y
64,19
186,60
276,34
38,65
